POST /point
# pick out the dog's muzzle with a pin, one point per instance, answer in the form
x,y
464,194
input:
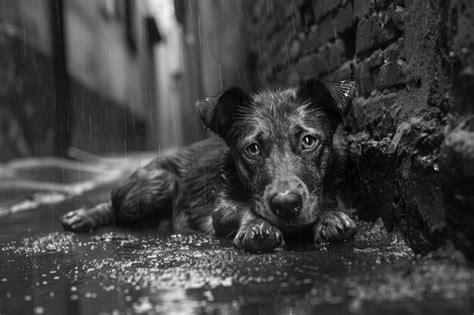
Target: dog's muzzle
x,y
286,205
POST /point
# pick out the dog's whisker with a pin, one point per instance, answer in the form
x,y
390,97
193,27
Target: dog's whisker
x,y
232,232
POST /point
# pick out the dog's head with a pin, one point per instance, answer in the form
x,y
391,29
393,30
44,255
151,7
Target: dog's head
x,y
281,142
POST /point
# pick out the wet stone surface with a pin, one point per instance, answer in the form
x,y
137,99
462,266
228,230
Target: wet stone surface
x,y
45,270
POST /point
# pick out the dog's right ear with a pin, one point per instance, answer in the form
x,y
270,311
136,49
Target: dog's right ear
x,y
334,97
218,113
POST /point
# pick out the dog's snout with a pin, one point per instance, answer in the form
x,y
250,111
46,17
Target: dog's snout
x,y
286,205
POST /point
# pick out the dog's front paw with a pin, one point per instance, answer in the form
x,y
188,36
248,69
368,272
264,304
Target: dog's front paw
x,y
258,236
334,226
77,221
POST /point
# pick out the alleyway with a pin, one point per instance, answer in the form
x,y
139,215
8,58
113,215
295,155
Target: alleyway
x,y
92,89
121,271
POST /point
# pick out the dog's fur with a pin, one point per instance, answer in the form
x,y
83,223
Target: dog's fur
x,y
274,170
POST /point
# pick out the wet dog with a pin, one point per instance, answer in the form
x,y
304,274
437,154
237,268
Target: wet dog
x,y
274,169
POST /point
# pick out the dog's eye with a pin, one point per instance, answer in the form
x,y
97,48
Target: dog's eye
x,y
308,142
253,149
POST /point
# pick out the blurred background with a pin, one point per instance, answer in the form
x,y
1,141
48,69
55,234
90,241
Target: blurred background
x,y
110,76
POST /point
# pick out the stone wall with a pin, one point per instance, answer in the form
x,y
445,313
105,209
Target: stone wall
x,y
411,136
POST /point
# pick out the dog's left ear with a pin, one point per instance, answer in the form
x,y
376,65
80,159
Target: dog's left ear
x,y
334,97
218,113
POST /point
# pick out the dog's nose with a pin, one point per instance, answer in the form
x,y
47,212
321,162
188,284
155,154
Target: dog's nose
x,y
286,205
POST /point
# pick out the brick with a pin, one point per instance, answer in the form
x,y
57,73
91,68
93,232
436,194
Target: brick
x,y
326,31
322,62
281,76
282,57
392,74
384,68
293,78
398,16
361,9
344,72
367,110
294,49
297,22
343,20
291,7
371,34
311,43
395,50
279,39
457,152
324,7
363,77
381,5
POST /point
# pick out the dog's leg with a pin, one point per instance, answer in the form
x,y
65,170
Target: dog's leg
x,y
333,226
250,232
85,220
258,236
146,194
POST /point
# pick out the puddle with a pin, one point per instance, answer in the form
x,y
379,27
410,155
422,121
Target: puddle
x,y
45,270
55,174
116,271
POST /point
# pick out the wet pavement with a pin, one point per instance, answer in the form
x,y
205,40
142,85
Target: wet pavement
x,y
45,270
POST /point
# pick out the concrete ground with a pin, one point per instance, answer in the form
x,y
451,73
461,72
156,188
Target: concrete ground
x,y
45,270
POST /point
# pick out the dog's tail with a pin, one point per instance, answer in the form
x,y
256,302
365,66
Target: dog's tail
x,y
86,220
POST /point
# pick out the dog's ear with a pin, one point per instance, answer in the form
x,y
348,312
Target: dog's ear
x,y
333,97
218,113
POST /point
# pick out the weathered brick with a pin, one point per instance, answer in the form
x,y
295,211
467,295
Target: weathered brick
x,y
293,78
343,19
323,7
297,22
364,78
311,42
395,50
322,62
371,34
344,72
391,74
326,31
272,46
457,152
294,49
361,9
367,110
291,7
384,68
380,5
398,15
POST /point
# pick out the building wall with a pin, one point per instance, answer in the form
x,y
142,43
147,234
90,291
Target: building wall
x,y
116,91
171,113
409,128
26,80
112,83
215,53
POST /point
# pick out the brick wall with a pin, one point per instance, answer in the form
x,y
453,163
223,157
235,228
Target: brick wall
x,y
411,136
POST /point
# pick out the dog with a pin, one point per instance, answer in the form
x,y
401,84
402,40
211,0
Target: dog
x,y
274,169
